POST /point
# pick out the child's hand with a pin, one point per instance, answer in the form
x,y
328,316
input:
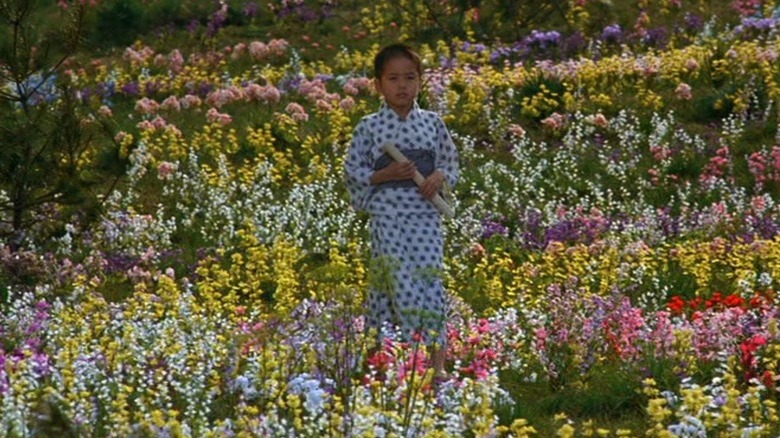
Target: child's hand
x,y
432,184
395,171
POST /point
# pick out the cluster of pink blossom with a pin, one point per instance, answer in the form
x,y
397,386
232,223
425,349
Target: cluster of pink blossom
x,y
554,121
155,124
140,56
747,7
580,330
223,96
297,112
683,91
718,166
146,106
765,166
214,116
262,93
355,85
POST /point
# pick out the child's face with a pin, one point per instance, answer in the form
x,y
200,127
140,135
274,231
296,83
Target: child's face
x,y
399,84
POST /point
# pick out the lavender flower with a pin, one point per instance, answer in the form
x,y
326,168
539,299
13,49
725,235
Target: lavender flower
x,y
251,9
131,88
491,228
612,33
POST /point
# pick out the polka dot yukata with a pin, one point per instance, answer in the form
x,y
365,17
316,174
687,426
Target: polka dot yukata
x,y
406,238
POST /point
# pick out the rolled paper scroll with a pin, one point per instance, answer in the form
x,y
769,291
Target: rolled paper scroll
x,y
437,200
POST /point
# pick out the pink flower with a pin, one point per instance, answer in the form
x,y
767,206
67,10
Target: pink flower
x,y
554,121
166,169
146,106
258,50
159,123
516,130
757,165
691,64
145,125
599,120
138,56
278,46
354,86
483,326
105,111
758,204
654,176
262,93
175,61
478,250
160,60
683,91
297,112
347,103
190,101
768,55
220,98
238,50
350,89
478,368
214,116
660,153
415,365
120,136
171,103
313,90
324,105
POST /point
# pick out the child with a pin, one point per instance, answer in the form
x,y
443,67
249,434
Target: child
x,y
406,237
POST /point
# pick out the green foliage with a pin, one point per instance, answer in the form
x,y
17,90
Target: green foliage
x,y
47,152
119,23
612,398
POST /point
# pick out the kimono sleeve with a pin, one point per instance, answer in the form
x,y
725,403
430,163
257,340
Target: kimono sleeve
x,y
446,154
358,167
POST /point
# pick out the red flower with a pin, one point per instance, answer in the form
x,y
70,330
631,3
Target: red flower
x,y
381,360
733,300
749,360
768,379
676,305
416,364
715,301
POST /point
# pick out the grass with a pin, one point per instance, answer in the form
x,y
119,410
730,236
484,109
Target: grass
x,y
613,401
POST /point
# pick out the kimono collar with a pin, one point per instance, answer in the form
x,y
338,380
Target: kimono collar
x,y
389,114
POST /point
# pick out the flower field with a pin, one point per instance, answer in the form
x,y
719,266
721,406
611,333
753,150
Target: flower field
x,y
612,264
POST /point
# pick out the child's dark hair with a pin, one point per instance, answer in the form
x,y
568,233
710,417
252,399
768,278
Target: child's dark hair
x,y
395,51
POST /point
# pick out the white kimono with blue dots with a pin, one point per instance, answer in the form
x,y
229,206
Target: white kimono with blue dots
x,y
406,239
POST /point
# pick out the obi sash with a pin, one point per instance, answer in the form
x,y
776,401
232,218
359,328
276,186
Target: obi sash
x,y
424,159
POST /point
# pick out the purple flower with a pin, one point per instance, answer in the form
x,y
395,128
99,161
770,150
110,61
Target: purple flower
x,y
131,88
446,62
693,22
251,9
612,33
544,39
41,365
152,87
218,20
656,37
491,228
573,44
193,26
759,24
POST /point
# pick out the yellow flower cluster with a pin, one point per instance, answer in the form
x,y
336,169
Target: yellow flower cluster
x,y
737,412
503,278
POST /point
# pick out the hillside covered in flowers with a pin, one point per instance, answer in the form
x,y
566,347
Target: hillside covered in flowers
x,y
179,257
